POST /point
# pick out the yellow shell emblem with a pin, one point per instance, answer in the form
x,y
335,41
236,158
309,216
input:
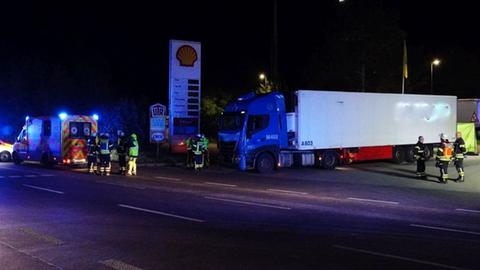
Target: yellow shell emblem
x,y
187,56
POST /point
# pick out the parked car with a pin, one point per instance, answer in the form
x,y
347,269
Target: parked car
x,y
6,150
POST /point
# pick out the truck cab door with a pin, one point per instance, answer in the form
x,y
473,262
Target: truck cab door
x,y
260,132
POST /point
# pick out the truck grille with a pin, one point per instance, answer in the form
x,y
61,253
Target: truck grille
x,y
227,152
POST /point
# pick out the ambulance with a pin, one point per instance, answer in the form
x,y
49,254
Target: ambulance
x,y
52,140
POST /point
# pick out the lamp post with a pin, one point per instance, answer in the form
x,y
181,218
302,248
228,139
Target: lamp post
x,y
435,62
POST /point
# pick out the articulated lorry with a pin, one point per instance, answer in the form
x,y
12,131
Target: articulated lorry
x,y
329,128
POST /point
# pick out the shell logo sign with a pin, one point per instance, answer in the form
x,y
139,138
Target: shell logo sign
x,y
187,56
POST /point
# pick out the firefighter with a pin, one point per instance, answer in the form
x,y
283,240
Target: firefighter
x,y
189,159
198,149
444,156
105,147
459,152
92,146
132,155
419,151
206,153
122,145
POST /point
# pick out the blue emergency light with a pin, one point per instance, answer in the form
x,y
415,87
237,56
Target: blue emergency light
x,y
62,115
95,117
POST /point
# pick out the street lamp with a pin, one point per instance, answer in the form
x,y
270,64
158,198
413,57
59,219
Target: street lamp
x,y
435,62
263,78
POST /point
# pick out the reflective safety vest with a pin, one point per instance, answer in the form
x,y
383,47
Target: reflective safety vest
x,y
444,153
133,150
104,146
198,147
459,148
419,151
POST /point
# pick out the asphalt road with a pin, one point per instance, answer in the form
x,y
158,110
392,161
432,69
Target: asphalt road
x,y
364,216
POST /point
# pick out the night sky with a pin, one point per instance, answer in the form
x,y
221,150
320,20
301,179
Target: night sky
x,y
123,47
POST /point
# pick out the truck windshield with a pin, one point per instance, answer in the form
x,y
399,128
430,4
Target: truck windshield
x,y
231,121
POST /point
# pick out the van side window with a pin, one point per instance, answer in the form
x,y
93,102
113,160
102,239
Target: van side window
x,y
46,128
257,123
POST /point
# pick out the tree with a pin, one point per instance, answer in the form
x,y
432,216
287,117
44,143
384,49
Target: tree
x,y
362,50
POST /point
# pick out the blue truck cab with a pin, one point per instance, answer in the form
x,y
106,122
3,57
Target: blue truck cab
x,y
253,130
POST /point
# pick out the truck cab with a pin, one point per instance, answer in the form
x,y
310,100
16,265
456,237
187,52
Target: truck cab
x,y
253,130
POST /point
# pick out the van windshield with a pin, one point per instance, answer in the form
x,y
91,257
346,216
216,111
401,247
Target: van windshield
x,y
231,121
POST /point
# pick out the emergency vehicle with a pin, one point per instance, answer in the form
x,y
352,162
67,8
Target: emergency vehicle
x,y
55,139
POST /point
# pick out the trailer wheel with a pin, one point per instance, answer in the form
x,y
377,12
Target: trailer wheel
x,y
398,155
16,158
330,160
428,152
264,163
5,156
409,154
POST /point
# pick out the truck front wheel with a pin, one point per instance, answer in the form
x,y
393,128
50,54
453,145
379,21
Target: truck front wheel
x,y
264,163
16,158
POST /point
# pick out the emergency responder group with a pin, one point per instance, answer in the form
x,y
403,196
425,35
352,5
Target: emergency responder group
x,y
99,154
446,153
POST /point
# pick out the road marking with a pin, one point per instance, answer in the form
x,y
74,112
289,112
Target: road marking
x,y
41,236
30,176
399,257
1,176
369,200
30,255
287,191
14,176
248,203
159,213
219,184
467,210
44,189
444,229
119,265
47,175
168,178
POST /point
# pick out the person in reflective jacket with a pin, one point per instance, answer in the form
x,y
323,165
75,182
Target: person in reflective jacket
x,y
92,155
420,157
133,155
459,151
444,156
104,148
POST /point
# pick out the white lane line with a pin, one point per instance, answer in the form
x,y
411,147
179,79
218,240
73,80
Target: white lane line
x,y
219,184
168,178
1,176
467,210
30,176
399,257
159,213
44,189
444,229
248,203
119,265
14,176
370,200
287,191
47,175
